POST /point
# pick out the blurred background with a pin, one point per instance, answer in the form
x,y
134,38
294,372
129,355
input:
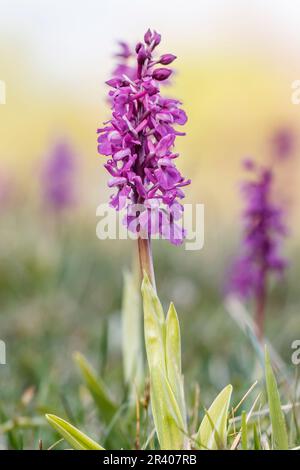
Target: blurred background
x,y
60,287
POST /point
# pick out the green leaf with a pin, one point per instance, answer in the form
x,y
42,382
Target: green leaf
x,y
256,439
103,345
212,433
164,359
166,413
279,431
244,431
173,357
154,326
132,332
107,408
77,439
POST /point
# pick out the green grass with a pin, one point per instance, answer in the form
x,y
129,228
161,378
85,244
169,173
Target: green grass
x,y
61,292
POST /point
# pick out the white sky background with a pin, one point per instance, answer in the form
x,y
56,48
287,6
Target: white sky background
x,y
67,37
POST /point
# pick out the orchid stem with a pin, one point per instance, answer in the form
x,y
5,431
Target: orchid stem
x,y
146,261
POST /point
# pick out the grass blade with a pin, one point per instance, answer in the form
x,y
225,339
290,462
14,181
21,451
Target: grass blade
x,y
212,433
77,439
237,439
279,431
244,431
107,408
256,439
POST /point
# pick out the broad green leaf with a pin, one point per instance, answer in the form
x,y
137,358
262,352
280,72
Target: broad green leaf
x,y
173,358
154,325
132,332
107,408
173,343
166,413
152,298
212,433
162,339
244,431
77,439
279,431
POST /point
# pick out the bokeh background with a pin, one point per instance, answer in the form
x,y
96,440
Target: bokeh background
x,y
60,287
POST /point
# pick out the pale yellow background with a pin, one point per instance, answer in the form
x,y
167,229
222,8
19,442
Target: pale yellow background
x,y
236,64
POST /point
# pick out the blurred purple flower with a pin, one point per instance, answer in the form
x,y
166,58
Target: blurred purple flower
x,y
283,143
58,177
264,230
140,137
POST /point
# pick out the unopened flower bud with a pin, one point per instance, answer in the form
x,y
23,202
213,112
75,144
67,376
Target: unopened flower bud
x,y
161,74
167,59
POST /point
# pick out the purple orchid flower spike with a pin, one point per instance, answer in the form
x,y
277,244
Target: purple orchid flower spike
x,y
264,230
140,138
58,178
